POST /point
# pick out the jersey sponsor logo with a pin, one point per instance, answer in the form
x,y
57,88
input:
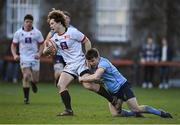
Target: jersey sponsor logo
x,y
63,45
28,40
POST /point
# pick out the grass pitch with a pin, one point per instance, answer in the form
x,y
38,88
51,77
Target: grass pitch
x,y
88,107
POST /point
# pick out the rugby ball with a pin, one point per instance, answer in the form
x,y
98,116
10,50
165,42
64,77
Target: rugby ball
x,y
50,48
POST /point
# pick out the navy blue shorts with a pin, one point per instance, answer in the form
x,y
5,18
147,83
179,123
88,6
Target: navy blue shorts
x,y
125,92
58,59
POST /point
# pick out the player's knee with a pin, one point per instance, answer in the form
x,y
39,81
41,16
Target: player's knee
x,y
61,87
26,77
58,85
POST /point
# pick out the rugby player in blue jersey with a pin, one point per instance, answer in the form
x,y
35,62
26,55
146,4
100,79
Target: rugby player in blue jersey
x,y
117,85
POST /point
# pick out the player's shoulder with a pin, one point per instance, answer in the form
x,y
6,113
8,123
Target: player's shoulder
x,y
36,30
19,31
104,61
72,29
51,32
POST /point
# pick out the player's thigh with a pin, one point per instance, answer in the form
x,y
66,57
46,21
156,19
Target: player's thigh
x,y
65,80
26,72
57,75
35,66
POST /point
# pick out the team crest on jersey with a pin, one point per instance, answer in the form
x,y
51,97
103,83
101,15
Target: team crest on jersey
x,y
56,40
63,45
28,40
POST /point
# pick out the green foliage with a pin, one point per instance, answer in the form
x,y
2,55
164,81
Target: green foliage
x,y
88,107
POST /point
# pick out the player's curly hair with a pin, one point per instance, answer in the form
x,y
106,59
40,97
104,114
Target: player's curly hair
x,y
58,16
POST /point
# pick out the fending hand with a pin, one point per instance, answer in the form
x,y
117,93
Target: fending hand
x,y
16,57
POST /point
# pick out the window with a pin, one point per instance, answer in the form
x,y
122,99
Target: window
x,y
16,10
112,20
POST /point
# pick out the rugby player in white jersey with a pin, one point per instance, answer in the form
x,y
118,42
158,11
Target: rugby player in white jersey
x,y
69,41
58,61
30,41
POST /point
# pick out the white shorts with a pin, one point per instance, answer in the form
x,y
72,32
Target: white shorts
x,y
76,68
34,65
58,67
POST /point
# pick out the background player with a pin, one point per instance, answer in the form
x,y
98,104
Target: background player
x,y
28,38
117,85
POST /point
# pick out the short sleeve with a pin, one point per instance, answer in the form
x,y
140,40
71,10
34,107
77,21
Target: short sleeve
x,y
16,38
40,38
77,35
103,64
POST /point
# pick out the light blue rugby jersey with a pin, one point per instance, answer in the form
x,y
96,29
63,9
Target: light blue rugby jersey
x,y
111,78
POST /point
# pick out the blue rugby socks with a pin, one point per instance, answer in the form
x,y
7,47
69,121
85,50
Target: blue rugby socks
x,y
126,113
152,110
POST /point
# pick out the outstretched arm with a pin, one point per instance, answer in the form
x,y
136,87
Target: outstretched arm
x,y
13,51
41,48
94,77
87,44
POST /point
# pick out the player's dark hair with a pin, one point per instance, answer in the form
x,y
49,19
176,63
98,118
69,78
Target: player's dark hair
x,y
92,53
28,17
58,16
67,13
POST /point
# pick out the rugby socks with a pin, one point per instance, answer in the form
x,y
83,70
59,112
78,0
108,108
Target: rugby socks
x,y
102,91
126,113
66,99
26,93
34,87
152,110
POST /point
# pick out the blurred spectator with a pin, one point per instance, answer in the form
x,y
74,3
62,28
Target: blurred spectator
x,y
149,53
12,72
1,68
11,68
165,54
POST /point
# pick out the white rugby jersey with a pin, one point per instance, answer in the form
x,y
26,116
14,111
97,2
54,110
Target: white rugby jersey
x,y
28,43
70,45
52,34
